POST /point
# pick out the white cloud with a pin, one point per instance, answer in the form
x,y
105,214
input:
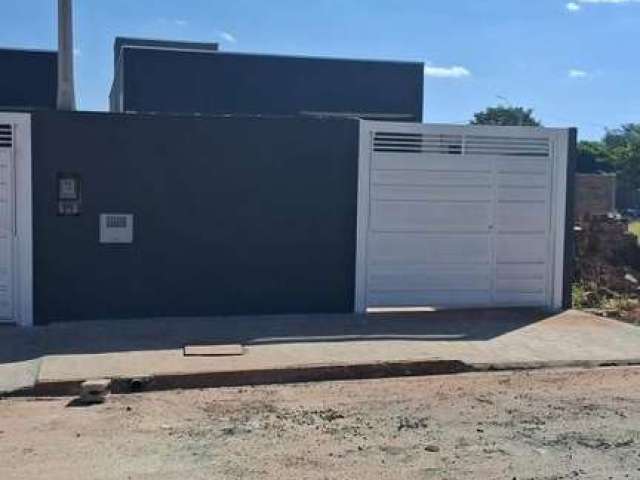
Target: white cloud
x,y
227,37
576,73
455,71
179,22
576,5
611,2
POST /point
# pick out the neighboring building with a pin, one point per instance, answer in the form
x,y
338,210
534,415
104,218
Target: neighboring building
x,y
595,194
181,79
167,45
122,42
28,79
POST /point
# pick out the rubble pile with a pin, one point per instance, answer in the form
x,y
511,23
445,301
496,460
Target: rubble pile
x,y
607,256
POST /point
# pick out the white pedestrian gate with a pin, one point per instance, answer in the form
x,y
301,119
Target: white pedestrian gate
x,y
16,255
7,225
460,216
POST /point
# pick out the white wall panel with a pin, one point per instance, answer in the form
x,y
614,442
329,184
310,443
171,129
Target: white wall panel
x,y
419,161
516,299
523,194
432,178
429,277
522,217
431,298
519,285
521,248
432,193
520,165
408,249
430,216
512,271
522,180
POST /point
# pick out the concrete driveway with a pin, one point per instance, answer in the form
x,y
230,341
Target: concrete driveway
x,y
57,357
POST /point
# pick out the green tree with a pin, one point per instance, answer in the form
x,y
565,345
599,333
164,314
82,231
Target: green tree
x,y
619,151
616,151
593,157
627,134
623,148
506,115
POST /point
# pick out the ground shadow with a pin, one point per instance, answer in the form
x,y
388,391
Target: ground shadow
x,y
79,403
103,336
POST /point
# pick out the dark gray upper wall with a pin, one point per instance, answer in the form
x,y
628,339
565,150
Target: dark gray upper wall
x,y
116,90
122,42
232,215
234,83
153,43
28,79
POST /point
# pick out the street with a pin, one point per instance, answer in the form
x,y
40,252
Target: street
x,y
546,424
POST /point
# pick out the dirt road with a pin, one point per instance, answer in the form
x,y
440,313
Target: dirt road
x,y
541,425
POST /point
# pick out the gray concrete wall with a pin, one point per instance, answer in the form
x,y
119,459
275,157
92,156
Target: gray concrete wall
x,y
235,83
595,194
232,215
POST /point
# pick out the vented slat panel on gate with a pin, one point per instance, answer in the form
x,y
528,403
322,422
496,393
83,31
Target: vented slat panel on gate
x,y
6,136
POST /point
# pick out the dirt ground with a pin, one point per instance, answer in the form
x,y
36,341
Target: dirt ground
x,y
565,424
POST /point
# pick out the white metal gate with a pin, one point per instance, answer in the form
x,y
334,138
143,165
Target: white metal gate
x,y
7,222
16,246
460,216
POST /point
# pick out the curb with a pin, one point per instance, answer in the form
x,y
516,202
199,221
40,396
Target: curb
x,y
300,374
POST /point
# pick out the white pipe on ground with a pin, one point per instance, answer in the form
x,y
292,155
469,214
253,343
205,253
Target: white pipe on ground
x,y
66,89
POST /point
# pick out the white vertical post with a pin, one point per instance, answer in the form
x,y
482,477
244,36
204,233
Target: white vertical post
x,y
364,169
560,215
66,90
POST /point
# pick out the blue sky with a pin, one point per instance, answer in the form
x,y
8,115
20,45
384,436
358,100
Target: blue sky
x,y
574,63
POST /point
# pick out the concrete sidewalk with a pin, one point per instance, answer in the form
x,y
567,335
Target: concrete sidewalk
x,y
56,358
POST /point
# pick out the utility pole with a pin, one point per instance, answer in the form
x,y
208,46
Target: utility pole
x,y
66,89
